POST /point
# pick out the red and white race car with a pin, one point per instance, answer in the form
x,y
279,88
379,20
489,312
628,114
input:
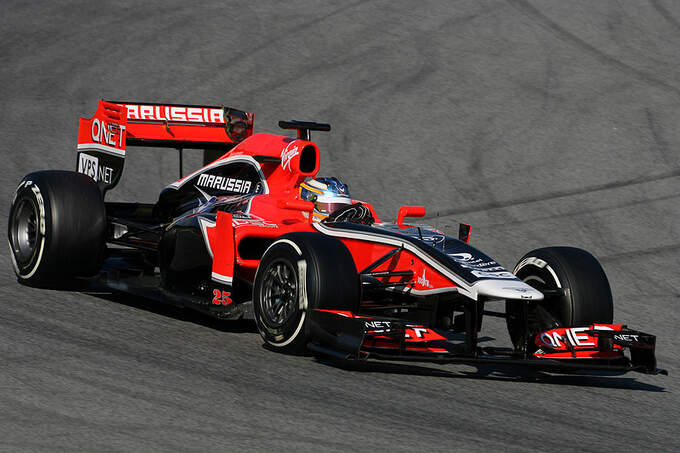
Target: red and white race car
x,y
237,239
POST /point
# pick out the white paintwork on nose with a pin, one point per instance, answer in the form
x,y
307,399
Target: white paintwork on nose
x,y
507,289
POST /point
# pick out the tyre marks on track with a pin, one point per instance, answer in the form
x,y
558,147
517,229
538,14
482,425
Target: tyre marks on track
x,y
665,250
656,4
660,141
582,212
554,195
566,36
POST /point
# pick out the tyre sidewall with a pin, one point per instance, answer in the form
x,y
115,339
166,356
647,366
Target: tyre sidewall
x,y
29,191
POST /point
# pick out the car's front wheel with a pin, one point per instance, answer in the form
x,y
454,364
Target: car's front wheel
x,y
576,288
298,273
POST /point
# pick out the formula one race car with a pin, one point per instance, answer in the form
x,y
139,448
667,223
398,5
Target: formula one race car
x,y
254,233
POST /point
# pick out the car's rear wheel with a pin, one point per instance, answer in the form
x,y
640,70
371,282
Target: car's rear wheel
x,y
576,288
298,273
56,228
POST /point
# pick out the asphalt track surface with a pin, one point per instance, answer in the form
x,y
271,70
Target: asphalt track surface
x,y
540,123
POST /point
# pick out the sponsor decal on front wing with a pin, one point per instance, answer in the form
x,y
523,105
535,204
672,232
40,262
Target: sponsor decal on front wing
x,y
411,332
567,338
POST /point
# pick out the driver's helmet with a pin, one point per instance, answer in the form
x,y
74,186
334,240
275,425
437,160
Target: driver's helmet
x,y
327,194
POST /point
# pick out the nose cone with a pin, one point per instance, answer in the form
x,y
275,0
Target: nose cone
x,y
507,289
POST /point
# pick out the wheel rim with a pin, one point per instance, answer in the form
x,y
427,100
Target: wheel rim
x,y
279,296
25,233
541,316
546,315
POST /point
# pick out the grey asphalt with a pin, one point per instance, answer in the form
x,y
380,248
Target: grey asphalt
x,y
539,123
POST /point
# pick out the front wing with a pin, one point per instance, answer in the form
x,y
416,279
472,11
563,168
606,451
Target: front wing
x,y
600,347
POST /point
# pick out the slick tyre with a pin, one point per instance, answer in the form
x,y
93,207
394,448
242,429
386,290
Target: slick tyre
x,y
576,288
56,228
298,273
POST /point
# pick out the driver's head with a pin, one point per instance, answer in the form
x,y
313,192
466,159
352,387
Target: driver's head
x,y
327,194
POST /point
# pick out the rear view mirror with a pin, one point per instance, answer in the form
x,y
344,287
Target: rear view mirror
x,y
409,211
464,232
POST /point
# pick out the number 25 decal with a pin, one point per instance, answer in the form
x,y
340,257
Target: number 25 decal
x,y
221,297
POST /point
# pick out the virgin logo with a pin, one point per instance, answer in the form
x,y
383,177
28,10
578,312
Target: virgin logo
x,y
287,156
423,281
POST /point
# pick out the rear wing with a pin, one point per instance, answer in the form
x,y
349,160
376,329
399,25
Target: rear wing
x,y
103,139
186,126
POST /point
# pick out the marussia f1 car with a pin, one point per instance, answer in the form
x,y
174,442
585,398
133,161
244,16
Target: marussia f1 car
x,y
235,239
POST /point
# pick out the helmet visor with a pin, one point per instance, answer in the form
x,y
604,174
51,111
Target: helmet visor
x,y
331,206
